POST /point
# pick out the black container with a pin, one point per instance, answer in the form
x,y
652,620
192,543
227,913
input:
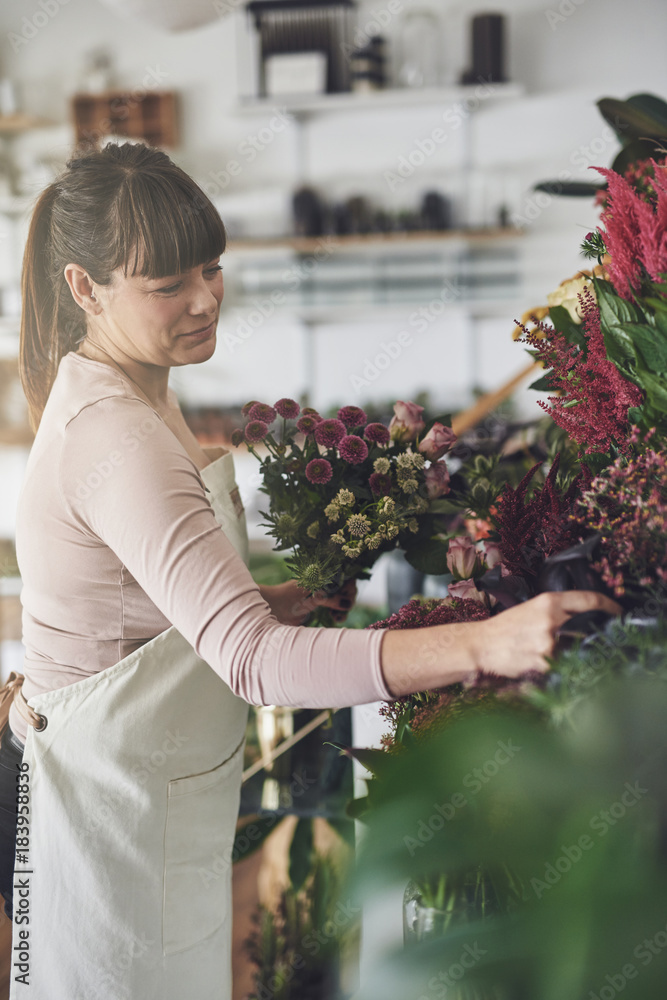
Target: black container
x,y
488,50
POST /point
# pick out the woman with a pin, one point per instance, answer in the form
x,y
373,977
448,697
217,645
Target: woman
x,y
146,637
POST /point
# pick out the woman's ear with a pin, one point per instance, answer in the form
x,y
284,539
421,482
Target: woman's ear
x,y
82,289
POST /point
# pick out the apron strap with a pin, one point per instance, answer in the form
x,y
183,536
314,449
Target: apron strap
x,y
12,692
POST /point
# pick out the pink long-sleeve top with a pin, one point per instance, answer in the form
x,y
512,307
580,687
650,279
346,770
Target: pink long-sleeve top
x,y
116,541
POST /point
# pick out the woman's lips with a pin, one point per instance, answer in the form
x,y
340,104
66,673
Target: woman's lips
x,y
201,334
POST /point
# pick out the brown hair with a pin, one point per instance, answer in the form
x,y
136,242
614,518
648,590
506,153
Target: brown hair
x,y
123,206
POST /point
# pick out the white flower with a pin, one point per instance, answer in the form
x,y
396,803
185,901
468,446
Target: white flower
x,y
566,295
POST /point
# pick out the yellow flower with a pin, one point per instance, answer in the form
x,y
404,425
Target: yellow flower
x,y
567,294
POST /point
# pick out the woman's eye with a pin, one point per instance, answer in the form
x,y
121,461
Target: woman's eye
x,y
214,270
171,288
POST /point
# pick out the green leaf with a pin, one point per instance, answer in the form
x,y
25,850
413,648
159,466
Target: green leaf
x,y
564,323
543,384
373,760
301,853
656,390
429,556
630,121
651,105
652,346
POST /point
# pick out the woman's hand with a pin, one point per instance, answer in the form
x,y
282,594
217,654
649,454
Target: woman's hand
x,y
510,644
519,639
292,604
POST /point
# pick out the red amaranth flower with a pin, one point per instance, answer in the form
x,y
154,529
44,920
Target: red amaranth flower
x,y
353,449
531,530
329,432
433,611
380,484
635,231
377,434
593,408
256,431
319,471
352,416
262,411
287,408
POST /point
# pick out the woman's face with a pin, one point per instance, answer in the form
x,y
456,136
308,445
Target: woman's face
x,y
162,321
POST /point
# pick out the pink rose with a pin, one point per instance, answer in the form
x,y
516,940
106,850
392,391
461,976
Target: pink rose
x,y
437,480
438,440
492,554
461,557
466,590
407,422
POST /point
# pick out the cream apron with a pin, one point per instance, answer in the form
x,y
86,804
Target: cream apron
x,y
134,795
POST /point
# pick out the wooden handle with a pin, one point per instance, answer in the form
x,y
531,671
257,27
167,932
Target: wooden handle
x,y
469,418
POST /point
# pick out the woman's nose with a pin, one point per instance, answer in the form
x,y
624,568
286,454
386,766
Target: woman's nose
x,y
204,296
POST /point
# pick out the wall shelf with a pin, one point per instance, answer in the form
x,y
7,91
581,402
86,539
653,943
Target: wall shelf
x,y
391,99
400,240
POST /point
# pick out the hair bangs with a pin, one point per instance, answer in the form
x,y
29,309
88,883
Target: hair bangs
x,y
166,225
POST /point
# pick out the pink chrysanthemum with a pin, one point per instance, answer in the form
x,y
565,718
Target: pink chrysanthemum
x,y
262,411
352,416
237,436
307,424
377,433
353,449
287,408
319,471
380,484
329,432
256,431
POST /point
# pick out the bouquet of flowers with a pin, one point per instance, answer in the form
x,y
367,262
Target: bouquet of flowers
x,y
343,490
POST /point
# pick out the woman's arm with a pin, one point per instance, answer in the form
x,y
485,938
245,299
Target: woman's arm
x,y
151,510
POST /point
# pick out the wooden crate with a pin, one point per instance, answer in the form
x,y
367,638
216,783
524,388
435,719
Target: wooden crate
x,y
149,115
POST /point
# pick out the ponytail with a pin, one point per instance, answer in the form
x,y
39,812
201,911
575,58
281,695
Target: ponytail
x,y
46,335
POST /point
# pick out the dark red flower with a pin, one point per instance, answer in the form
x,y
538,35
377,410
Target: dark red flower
x,y
262,411
352,416
319,471
329,432
256,431
377,433
380,484
353,449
